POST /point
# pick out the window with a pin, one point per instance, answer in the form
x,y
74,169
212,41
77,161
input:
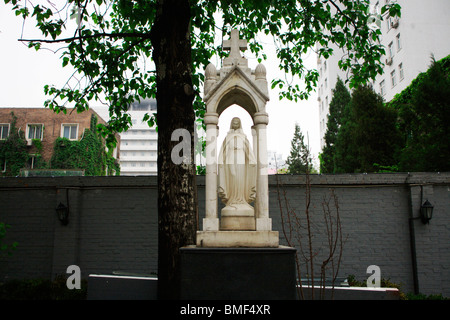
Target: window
x,y
400,71
393,78
326,83
391,50
35,131
70,131
4,131
399,44
32,158
382,87
324,66
3,165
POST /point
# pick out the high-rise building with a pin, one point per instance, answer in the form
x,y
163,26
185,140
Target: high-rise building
x,y
422,31
138,145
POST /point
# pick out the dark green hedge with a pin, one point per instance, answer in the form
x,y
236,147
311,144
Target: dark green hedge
x,y
41,289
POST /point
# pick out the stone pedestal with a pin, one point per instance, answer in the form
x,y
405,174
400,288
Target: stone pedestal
x,y
238,273
238,217
237,239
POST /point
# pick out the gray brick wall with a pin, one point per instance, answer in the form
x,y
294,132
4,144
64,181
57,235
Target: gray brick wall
x,y
113,224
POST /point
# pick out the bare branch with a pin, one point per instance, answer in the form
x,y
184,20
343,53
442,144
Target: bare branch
x,y
92,36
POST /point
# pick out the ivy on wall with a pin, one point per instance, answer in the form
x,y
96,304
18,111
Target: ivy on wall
x,y
13,151
89,154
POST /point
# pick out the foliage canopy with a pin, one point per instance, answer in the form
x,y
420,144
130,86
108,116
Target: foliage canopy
x,y
108,45
368,137
409,133
424,114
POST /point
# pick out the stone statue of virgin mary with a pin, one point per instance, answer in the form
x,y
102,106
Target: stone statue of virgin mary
x,y
237,180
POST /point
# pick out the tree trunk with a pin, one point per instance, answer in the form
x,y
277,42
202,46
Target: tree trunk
x,y
177,203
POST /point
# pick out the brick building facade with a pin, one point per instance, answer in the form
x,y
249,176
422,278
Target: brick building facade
x,y
45,125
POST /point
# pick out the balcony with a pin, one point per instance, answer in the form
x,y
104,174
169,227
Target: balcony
x,y
138,146
152,137
138,157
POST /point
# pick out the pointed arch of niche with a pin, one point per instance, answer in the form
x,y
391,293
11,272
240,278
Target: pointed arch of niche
x,y
237,96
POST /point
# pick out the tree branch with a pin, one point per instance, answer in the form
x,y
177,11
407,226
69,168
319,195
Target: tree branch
x,y
342,13
97,35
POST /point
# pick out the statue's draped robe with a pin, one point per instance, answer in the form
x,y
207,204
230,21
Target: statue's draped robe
x,y
237,170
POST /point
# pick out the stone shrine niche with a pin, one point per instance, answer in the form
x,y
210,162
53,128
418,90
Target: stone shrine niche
x,y
246,221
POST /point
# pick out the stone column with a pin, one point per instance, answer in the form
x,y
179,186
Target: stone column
x,y
255,152
211,220
255,141
263,222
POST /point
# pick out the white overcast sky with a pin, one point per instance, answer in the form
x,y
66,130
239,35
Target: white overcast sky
x,y
24,72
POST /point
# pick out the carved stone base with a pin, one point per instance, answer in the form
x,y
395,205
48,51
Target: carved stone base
x,y
236,239
238,217
230,223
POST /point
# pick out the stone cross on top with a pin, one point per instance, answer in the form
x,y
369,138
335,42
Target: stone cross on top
x,y
235,45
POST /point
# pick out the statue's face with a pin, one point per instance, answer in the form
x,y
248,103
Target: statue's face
x,y
235,123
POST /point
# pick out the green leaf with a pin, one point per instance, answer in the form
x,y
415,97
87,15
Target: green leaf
x,y
65,61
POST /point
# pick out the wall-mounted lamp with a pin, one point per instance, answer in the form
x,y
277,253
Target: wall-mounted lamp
x,y
426,212
63,214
